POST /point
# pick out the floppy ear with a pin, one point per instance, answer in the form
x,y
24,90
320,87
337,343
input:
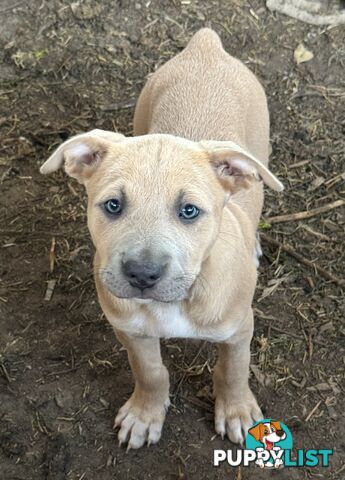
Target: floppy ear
x,y
256,432
276,425
81,154
237,168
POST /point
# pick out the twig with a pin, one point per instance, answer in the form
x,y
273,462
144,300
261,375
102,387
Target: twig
x,y
299,164
341,469
113,107
11,7
284,331
199,403
4,371
288,249
307,214
239,473
52,255
313,411
184,375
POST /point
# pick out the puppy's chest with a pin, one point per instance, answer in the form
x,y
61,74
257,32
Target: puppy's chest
x,y
169,321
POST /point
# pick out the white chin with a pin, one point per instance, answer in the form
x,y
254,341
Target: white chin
x,y
142,300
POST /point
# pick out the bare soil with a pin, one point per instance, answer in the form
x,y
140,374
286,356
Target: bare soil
x,y
67,67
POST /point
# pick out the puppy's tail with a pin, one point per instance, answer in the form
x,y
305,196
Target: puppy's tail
x,y
204,40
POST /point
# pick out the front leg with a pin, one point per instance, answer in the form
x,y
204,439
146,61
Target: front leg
x,y
141,418
236,408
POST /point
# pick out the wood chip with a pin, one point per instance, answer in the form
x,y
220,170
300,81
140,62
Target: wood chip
x,y
50,289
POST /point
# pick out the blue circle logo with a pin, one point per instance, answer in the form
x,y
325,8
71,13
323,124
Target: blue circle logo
x,y
269,435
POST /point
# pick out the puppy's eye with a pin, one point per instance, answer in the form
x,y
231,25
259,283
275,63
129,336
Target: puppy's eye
x,y
189,212
113,206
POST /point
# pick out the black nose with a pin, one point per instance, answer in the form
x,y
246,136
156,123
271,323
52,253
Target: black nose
x,y
142,274
280,433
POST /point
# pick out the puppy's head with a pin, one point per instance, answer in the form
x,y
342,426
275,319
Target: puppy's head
x,y
154,205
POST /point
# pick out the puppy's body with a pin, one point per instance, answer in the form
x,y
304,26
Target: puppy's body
x,y
203,131
205,94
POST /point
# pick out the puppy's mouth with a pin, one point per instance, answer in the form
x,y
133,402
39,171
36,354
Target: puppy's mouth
x,y
146,295
269,445
172,290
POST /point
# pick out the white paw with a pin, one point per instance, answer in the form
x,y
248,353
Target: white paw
x,y
235,419
140,422
260,463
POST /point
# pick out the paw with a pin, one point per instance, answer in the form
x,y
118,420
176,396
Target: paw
x,y
260,463
234,418
140,421
278,462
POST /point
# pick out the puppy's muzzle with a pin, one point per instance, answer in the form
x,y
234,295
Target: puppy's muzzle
x,y
143,274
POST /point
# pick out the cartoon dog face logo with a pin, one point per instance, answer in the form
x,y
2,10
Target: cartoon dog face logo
x,y
268,433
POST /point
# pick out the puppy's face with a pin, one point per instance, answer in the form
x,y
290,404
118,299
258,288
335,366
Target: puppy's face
x,y
154,211
154,207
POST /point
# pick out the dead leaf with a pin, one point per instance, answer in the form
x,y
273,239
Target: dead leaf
x,y
302,55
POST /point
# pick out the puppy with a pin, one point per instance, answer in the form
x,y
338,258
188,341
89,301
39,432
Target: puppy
x,y
173,214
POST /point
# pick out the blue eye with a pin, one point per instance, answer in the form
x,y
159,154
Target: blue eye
x,y
113,206
189,212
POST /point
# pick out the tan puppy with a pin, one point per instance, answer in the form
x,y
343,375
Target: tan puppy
x,y
173,216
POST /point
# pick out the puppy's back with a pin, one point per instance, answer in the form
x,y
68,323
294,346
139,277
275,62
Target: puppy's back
x,y
204,93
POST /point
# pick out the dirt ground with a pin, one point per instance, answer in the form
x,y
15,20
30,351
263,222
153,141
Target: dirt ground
x,y
67,67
